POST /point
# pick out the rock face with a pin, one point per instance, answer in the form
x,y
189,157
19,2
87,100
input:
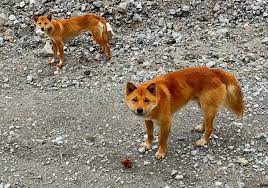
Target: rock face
x,y
70,127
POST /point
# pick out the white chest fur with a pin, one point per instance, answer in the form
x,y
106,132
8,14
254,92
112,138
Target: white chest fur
x,y
153,120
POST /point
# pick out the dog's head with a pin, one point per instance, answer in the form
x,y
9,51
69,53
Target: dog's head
x,y
141,99
43,23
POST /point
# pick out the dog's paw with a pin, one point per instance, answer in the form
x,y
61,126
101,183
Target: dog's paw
x,y
101,50
160,155
146,145
199,128
60,65
52,61
201,142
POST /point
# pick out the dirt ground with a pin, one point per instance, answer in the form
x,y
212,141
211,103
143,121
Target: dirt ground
x,y
72,129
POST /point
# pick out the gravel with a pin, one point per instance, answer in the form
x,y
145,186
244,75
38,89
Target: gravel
x,y
70,127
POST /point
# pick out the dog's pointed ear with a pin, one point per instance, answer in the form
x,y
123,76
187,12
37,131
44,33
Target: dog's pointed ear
x,y
49,17
35,18
130,87
152,88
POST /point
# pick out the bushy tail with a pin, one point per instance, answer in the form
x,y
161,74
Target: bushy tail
x,y
234,100
110,30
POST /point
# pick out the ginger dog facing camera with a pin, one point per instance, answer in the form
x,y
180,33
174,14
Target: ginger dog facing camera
x,y
157,100
62,30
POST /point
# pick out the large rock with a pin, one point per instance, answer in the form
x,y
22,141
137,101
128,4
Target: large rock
x,y
97,4
12,17
3,16
122,7
22,4
265,41
137,18
1,41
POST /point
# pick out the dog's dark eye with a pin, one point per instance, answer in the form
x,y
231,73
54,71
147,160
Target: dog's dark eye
x,y
45,23
135,99
39,23
146,100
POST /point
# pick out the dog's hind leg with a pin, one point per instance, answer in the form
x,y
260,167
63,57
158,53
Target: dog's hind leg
x,y
100,35
101,50
201,126
211,101
105,37
108,51
209,117
98,38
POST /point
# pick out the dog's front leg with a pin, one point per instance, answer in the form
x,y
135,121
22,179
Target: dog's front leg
x,y
55,53
150,130
60,46
165,126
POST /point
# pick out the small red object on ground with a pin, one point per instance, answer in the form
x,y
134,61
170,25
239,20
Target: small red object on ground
x,y
127,163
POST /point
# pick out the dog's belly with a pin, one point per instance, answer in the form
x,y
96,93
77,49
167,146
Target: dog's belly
x,y
71,35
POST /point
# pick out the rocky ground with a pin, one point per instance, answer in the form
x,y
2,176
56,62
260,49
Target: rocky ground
x,y
71,128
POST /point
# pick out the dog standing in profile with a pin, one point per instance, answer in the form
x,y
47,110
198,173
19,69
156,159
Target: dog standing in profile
x,y
62,30
157,100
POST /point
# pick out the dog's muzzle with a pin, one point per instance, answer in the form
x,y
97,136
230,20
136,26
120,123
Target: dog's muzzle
x,y
39,32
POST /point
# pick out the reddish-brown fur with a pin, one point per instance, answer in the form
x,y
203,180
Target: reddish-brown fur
x,y
62,30
165,94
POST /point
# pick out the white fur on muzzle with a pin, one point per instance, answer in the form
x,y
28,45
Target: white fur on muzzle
x,y
39,32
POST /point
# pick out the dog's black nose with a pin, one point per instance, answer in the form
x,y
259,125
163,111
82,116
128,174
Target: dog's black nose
x,y
42,29
139,110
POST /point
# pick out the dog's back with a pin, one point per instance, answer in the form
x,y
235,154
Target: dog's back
x,y
191,83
